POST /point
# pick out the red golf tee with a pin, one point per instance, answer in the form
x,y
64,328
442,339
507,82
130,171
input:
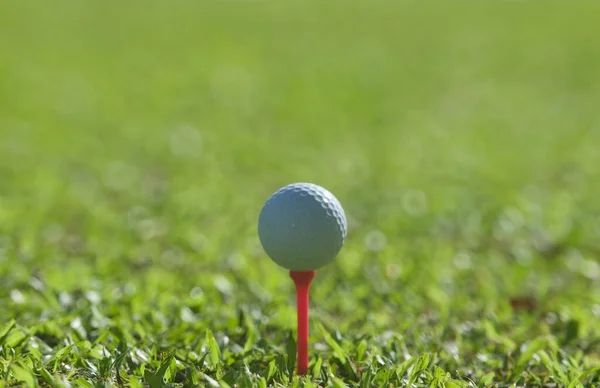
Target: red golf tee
x,y
302,281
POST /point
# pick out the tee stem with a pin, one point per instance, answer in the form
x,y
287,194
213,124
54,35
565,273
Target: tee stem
x,y
302,280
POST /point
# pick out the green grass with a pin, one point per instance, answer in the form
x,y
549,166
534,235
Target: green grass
x,y
138,143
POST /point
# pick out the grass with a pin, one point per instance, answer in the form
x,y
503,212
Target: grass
x,y
138,143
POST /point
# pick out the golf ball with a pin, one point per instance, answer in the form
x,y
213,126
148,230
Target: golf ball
x,y
302,227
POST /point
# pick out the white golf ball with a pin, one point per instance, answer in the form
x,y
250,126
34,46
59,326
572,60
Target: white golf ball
x,y
302,227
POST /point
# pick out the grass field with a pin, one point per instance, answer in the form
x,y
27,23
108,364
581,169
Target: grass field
x,y
139,142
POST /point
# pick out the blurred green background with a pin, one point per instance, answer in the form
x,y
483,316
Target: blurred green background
x,y
138,142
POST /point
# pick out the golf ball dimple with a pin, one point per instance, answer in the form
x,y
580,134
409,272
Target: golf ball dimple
x,y
302,227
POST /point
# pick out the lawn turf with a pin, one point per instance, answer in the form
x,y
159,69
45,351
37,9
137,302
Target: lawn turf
x,y
139,141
